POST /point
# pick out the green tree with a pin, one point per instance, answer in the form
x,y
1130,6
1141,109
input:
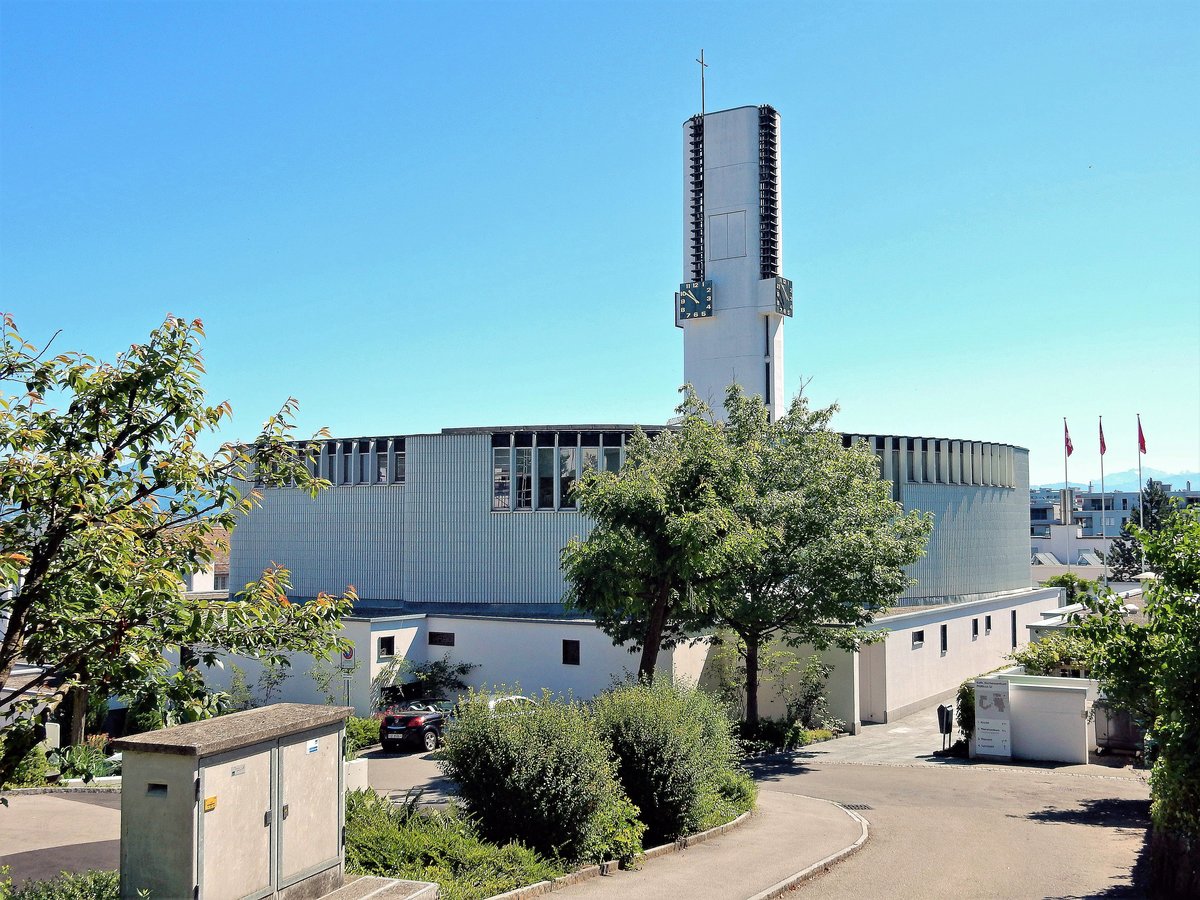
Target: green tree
x,y
1153,668
661,526
820,546
1125,557
1078,588
108,504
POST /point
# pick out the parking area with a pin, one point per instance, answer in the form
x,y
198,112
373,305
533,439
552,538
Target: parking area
x,y
395,774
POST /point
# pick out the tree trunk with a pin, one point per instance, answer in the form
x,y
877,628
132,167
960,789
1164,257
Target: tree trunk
x,y
751,680
654,631
76,717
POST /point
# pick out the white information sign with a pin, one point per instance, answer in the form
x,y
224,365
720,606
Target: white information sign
x,y
993,729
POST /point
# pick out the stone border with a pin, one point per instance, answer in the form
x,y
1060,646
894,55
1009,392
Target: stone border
x,y
545,887
778,890
54,789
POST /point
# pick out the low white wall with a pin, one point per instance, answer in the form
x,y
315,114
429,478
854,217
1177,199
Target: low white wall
x,y
918,676
529,653
1049,721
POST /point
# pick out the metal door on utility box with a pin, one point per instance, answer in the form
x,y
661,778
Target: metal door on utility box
x,y
310,795
236,821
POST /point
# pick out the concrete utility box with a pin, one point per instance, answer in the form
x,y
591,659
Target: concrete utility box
x,y
241,807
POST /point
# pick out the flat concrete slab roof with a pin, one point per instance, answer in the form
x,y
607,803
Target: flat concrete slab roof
x,y
236,730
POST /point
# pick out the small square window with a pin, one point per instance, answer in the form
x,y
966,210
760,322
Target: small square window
x,y
570,653
387,647
918,639
220,582
441,638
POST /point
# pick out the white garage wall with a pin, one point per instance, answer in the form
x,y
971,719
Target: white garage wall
x,y
918,676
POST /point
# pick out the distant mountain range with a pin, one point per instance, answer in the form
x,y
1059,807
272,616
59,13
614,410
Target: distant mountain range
x,y
1128,480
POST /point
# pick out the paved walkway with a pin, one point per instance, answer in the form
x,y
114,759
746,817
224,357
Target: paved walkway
x,y
786,835
44,834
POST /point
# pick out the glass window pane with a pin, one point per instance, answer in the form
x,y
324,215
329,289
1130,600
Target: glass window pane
x,y
612,459
591,459
523,473
347,462
566,476
545,478
381,459
366,467
501,476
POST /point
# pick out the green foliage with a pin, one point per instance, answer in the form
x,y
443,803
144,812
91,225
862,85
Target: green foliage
x,y
818,538
760,527
31,770
109,504
402,842
672,744
808,702
802,737
660,528
240,698
965,713
173,700
543,777
1077,588
360,733
97,884
80,761
1154,668
439,678
1126,557
1065,652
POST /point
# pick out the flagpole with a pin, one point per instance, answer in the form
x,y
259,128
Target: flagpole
x,y
1068,500
1103,503
1141,499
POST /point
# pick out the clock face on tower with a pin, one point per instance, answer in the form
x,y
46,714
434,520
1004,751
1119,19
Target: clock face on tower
x,y
695,300
783,296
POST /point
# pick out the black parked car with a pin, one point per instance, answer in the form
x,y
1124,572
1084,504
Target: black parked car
x,y
415,723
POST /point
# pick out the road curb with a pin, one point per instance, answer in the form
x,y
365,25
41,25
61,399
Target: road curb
x,y
589,872
782,887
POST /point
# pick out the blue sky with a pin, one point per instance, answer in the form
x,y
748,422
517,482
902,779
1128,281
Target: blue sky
x,y
416,216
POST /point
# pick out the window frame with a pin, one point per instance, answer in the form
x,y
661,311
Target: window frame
x,y
379,646
571,652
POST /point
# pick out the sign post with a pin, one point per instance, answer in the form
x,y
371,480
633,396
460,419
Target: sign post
x,y
348,667
993,725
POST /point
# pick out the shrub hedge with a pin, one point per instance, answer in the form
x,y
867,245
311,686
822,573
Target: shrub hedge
x,y
401,842
544,777
360,732
30,771
674,747
98,884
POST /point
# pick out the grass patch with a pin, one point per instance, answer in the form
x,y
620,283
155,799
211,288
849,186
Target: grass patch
x,y
445,847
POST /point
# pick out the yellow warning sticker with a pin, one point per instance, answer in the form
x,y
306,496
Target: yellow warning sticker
x,y
210,803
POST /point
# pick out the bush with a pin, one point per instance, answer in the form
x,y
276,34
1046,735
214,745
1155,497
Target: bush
x,y
1060,653
30,771
360,733
401,842
802,737
673,745
543,777
809,702
81,761
965,715
97,884
735,794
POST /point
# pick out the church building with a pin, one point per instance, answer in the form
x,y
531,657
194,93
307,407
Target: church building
x,y
452,539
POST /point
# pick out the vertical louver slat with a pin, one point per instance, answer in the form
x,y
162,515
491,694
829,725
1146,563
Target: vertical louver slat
x,y
696,196
768,192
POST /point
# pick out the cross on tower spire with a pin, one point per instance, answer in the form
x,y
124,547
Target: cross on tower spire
x,y
703,66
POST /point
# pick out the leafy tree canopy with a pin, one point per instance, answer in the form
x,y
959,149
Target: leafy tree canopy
x,y
107,504
762,527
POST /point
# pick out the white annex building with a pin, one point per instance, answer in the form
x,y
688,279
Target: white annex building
x,y
452,539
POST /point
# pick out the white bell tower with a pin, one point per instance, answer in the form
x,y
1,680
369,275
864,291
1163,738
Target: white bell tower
x,y
733,299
